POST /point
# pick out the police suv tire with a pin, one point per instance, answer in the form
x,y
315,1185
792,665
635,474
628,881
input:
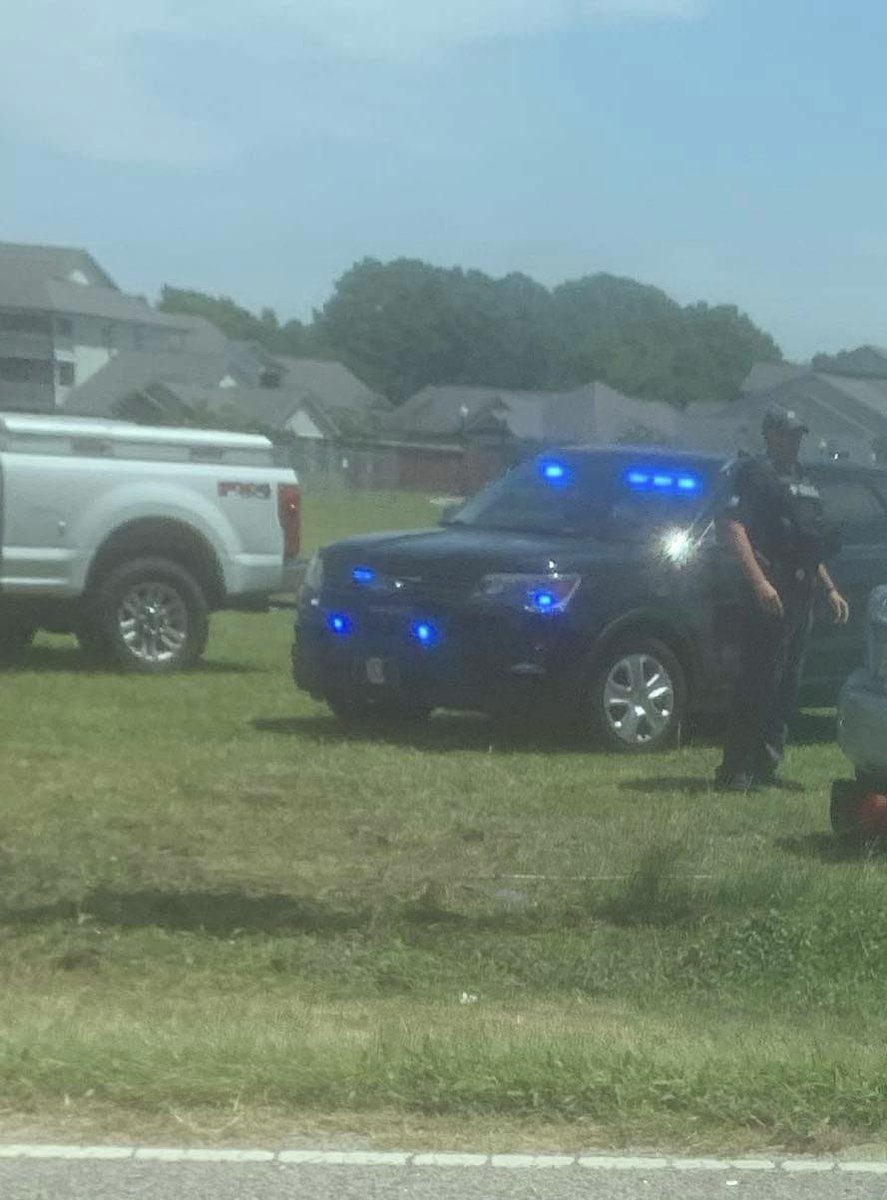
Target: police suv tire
x,y
148,616
363,712
660,694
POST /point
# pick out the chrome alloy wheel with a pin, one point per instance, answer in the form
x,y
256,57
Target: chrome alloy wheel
x,y
152,621
639,699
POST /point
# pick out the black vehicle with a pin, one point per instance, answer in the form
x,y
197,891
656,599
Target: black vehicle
x,y
585,586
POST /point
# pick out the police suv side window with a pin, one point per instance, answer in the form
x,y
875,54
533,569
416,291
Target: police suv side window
x,y
854,508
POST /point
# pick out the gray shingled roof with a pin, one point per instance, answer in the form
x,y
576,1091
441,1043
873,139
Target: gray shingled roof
x,y
79,300
442,411
766,375
870,392
271,406
132,370
40,277
26,270
331,383
595,413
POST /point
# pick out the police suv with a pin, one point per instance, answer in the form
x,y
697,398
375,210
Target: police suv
x,y
586,586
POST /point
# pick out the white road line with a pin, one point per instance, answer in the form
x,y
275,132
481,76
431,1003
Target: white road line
x,y
495,1162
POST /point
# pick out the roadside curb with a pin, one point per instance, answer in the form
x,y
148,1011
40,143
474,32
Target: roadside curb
x,y
497,1162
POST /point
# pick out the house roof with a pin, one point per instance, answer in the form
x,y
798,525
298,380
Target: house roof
x,y
270,406
132,370
26,270
595,413
63,279
766,375
329,382
88,301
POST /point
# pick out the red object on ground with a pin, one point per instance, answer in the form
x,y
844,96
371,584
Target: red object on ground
x,y
873,814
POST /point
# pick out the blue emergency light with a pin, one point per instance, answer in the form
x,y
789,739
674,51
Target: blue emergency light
x,y
662,482
363,576
555,474
424,633
542,601
339,624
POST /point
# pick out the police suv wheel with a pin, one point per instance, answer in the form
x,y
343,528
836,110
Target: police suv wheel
x,y
636,699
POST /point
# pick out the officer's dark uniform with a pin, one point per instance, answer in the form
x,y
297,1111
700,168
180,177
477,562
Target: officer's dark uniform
x,y
784,521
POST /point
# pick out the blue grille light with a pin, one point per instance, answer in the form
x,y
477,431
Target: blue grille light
x,y
688,483
339,624
363,575
542,601
424,633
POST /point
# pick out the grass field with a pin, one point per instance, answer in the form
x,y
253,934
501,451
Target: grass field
x,y
223,918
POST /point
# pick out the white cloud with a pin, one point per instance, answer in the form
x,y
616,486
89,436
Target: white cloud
x,y
70,75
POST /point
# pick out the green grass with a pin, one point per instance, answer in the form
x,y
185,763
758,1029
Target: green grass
x,y
219,911
330,514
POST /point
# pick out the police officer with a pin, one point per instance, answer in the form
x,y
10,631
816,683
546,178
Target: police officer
x,y
774,526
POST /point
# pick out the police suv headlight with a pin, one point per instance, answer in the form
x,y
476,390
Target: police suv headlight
x,y
312,582
876,634
540,594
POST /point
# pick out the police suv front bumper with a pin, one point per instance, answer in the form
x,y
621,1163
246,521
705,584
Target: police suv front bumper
x,y
469,661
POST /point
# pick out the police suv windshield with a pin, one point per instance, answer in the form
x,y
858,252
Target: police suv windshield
x,y
612,497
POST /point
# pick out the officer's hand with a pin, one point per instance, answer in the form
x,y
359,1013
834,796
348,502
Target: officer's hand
x,y
768,599
839,606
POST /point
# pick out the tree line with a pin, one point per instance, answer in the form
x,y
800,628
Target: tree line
x,y
404,324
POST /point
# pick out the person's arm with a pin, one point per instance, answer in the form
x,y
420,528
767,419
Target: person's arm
x,y
836,602
764,591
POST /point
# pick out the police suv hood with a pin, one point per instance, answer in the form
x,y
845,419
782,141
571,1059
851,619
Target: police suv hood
x,y
459,553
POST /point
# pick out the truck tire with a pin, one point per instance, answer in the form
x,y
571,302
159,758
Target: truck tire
x,y
15,638
635,698
148,616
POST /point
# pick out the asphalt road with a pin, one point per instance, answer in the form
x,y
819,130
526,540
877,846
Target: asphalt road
x,y
65,1180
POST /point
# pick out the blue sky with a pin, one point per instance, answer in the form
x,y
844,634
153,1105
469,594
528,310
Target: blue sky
x,y
725,150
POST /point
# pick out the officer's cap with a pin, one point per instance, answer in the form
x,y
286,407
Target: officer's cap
x,y
785,420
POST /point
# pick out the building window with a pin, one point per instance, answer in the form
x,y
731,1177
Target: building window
x,y
64,327
269,379
66,374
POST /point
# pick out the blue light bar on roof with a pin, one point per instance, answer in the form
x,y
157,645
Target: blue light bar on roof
x,y
557,474
662,481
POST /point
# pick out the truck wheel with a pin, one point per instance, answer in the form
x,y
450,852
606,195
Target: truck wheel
x,y
15,638
635,700
149,616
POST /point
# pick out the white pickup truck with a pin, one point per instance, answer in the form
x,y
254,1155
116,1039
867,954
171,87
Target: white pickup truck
x,y
129,536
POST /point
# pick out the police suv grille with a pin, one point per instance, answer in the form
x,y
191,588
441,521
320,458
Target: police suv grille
x,y
409,589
